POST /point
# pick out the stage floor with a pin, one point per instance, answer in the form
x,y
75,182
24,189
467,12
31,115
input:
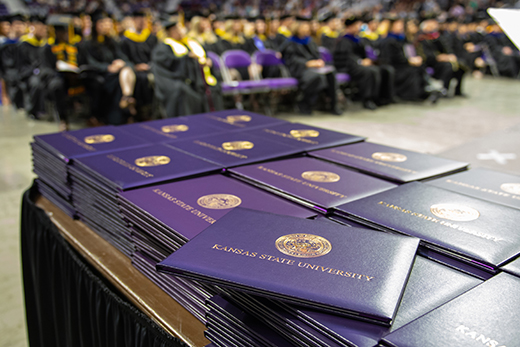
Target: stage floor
x,y
483,129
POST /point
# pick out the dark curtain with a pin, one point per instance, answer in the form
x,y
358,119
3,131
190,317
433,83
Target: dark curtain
x,y
68,303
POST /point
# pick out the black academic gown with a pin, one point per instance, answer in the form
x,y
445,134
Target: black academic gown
x,y
140,52
296,54
28,64
410,80
508,65
9,56
429,46
103,86
347,54
58,83
179,83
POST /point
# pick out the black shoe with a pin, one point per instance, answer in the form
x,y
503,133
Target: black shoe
x,y
461,95
370,105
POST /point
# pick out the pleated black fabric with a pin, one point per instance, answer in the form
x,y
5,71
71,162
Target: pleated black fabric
x,y
67,302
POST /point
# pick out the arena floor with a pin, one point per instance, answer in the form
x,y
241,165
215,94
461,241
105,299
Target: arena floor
x,y
483,129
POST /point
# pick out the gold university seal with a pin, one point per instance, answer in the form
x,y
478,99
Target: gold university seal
x,y
174,128
305,133
513,188
386,156
219,201
321,176
237,145
236,119
93,139
453,212
303,245
154,160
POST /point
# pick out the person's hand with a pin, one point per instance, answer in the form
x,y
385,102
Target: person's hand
x,y
192,55
142,67
209,62
313,63
452,58
278,55
116,66
366,62
445,58
507,50
415,61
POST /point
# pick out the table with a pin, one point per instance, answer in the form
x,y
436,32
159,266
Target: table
x,y
81,291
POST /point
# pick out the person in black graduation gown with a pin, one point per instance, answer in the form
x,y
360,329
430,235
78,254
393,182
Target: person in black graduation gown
x,y
350,57
438,55
110,71
28,63
283,32
304,63
260,42
179,80
503,51
410,75
60,70
329,31
468,61
9,56
137,44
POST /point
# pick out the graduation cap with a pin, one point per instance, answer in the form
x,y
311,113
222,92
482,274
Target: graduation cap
x,y
351,20
139,13
303,19
232,17
327,17
59,20
98,15
18,17
170,22
37,19
285,16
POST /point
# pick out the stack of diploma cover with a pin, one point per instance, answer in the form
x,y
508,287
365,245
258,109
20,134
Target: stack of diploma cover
x,y
164,217
356,273
52,153
97,181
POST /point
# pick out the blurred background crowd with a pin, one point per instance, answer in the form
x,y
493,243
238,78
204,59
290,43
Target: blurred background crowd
x,y
115,62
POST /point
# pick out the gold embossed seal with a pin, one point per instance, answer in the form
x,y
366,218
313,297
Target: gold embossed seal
x,y
303,245
321,176
454,212
513,188
174,128
237,119
154,160
103,138
304,133
387,156
237,145
219,201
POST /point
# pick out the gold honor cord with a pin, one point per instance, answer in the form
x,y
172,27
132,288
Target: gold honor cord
x,y
178,48
199,51
134,36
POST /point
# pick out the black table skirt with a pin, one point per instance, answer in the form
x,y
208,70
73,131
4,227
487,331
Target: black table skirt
x,y
67,302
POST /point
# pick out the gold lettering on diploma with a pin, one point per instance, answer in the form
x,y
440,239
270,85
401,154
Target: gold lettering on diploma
x,y
302,182
238,118
174,128
303,245
305,133
431,219
219,149
321,176
219,201
129,166
183,205
372,161
513,188
391,157
237,145
291,262
155,160
94,139
454,212
78,142
293,137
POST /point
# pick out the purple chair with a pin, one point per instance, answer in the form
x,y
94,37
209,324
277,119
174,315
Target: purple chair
x,y
341,77
269,58
233,59
217,64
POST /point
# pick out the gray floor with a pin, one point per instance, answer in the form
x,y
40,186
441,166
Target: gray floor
x,y
483,129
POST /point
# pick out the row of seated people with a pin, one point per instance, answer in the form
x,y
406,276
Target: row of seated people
x,y
122,75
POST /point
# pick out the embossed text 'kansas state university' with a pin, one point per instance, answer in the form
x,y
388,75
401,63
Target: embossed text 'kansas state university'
x,y
290,262
472,334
